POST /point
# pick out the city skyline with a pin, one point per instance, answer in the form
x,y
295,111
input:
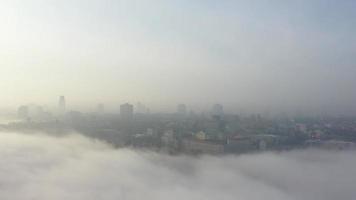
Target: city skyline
x,y
265,55
140,108
177,99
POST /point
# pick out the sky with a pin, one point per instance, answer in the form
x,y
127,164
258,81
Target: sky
x,y
73,167
245,54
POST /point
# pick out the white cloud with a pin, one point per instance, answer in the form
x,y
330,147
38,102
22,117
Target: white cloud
x,y
74,167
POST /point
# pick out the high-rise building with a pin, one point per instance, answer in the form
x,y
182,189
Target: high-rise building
x,y
126,111
100,108
217,110
62,104
181,109
23,112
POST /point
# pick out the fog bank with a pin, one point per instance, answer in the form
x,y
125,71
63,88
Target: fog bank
x,y
42,167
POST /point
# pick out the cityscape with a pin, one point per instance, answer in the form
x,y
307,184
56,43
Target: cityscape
x,y
177,99
187,132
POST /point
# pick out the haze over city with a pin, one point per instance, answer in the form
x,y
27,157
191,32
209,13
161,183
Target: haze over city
x,y
177,99
248,55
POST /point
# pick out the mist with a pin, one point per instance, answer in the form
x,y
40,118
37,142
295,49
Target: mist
x,y
252,55
38,166
178,99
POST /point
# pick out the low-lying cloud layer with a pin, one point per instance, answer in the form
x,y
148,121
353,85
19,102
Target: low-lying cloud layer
x,y
40,167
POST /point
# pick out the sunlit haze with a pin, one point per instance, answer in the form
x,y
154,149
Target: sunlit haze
x,y
177,99
253,56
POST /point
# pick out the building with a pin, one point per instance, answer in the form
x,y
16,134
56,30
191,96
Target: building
x,y
331,144
126,111
62,105
181,109
169,142
217,110
201,135
100,109
241,144
23,112
202,146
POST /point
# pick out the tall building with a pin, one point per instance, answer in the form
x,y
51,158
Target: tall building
x,y
62,104
23,112
217,110
181,109
126,111
100,109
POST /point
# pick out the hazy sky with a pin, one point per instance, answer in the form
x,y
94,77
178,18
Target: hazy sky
x,y
244,54
77,168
